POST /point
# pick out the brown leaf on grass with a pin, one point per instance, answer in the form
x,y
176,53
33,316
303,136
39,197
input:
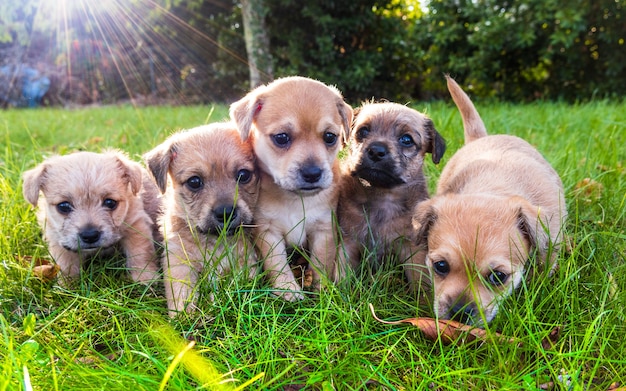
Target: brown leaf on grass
x,y
616,387
447,331
42,268
589,189
551,339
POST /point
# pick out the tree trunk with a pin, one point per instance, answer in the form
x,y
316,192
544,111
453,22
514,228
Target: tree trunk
x,y
257,41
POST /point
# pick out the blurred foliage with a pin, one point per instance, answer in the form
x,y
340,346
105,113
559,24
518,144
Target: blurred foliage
x,y
185,51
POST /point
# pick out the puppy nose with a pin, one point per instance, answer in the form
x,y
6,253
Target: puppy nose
x,y
377,152
311,174
224,213
89,235
463,313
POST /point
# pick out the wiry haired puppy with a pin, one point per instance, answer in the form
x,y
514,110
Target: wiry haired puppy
x,y
498,203
92,203
383,181
297,127
209,178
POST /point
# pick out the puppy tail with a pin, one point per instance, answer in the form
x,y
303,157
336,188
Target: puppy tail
x,y
472,123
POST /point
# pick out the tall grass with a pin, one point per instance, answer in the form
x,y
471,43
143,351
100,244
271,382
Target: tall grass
x,y
111,334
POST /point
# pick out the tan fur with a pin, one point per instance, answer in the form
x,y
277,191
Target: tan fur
x,y
383,181
296,206
498,202
90,225
198,233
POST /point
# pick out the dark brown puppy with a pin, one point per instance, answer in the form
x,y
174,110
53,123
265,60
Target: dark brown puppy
x,y
383,181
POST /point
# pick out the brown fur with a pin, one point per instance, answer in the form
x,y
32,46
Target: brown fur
x,y
383,181
498,201
110,202
201,218
299,180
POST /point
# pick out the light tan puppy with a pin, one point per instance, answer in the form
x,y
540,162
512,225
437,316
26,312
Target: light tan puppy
x,y
498,203
297,126
93,203
210,183
383,181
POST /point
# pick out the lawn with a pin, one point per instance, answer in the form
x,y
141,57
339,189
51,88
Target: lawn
x,y
110,334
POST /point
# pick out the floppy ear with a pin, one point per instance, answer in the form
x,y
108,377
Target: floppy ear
x,y
531,226
244,111
346,113
158,161
437,145
130,170
424,217
33,182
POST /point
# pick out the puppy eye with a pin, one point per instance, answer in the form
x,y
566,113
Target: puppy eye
x,y
362,133
281,139
244,176
330,138
406,140
497,278
109,204
442,268
194,183
64,208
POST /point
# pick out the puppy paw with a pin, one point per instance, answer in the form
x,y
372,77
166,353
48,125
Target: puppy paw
x,y
291,296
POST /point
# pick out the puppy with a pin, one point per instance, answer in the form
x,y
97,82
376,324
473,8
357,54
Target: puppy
x,y
297,127
383,181
93,203
211,192
498,203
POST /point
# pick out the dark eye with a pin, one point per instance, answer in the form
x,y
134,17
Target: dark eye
x,y
109,204
194,183
362,133
64,207
406,140
442,268
244,176
497,278
281,139
330,138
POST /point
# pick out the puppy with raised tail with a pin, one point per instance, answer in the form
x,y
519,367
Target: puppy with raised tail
x,y
383,181
499,203
92,203
210,182
297,126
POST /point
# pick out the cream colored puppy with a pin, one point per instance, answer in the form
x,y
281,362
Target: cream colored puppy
x,y
210,183
498,204
92,203
297,126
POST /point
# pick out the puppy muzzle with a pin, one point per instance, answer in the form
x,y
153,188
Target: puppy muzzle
x,y
377,167
223,219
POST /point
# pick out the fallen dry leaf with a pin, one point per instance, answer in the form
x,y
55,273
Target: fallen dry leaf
x,y
42,268
447,331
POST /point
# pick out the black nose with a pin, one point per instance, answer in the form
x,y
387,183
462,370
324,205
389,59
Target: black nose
x,y
463,313
311,174
377,152
89,235
225,213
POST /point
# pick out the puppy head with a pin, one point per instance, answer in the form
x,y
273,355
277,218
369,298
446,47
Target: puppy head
x,y
213,183
86,197
388,144
477,251
297,126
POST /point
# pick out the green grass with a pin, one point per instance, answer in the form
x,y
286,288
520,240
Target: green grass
x,y
110,334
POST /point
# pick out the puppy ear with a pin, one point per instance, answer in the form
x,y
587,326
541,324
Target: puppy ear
x,y
437,145
530,225
346,113
131,171
33,182
158,161
244,111
423,219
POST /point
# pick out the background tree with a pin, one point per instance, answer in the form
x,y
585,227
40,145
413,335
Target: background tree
x,y
257,41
